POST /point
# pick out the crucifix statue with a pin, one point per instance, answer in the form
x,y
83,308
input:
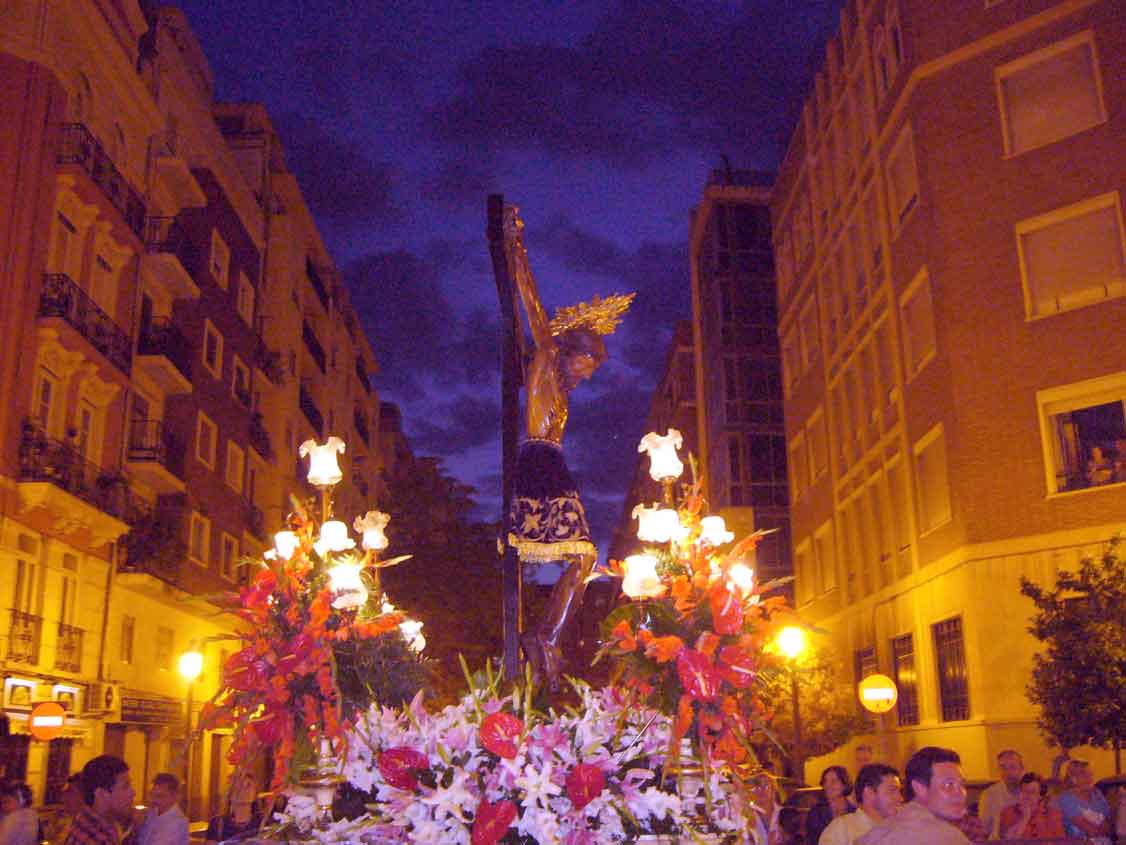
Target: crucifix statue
x,y
546,522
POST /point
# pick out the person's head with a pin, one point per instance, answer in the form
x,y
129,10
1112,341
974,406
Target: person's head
x,y
72,795
878,790
581,352
106,787
863,755
934,779
790,821
1079,775
15,796
836,782
164,792
1011,766
1032,788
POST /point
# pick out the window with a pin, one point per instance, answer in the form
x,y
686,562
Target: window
x,y
67,253
128,628
219,260
900,495
1072,256
199,539
791,359
205,440
88,436
240,381
1083,427
245,301
906,681
930,469
950,652
917,315
864,663
803,571
165,641
212,349
1050,95
885,366
45,393
826,557
903,179
235,467
818,445
810,339
799,466
228,549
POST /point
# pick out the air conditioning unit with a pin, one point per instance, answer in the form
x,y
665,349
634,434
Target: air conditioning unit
x,y
103,698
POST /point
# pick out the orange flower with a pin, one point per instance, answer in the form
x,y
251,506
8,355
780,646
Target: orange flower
x,y
707,643
685,713
623,638
661,649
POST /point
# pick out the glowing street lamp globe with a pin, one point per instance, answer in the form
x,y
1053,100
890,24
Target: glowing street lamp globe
x,y
370,526
664,463
347,586
658,525
190,665
641,580
285,544
713,531
791,641
324,471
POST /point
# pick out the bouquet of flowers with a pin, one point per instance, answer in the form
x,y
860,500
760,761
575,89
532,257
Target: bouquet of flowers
x,y
492,769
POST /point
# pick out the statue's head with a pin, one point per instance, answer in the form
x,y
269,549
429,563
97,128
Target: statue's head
x,y
581,352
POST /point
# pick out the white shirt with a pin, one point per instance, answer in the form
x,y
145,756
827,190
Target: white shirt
x,y
167,828
20,827
846,829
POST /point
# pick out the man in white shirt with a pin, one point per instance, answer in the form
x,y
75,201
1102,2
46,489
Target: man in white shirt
x,y
164,822
880,794
1001,794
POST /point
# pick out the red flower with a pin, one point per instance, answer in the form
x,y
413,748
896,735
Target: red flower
x,y
492,821
736,666
584,784
727,610
399,766
500,734
698,675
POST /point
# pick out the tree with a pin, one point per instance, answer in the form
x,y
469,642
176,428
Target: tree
x,y
1082,624
827,708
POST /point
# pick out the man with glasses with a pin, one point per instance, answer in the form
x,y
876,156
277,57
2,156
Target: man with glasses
x,y
936,793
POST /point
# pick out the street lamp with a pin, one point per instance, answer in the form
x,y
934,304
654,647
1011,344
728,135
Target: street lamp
x,y
191,667
792,643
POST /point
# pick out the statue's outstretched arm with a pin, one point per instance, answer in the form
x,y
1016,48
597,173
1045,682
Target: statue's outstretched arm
x,y
521,272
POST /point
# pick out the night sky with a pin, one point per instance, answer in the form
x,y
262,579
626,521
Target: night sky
x,y
600,120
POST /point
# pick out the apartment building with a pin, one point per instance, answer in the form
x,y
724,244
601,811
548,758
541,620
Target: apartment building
x,y
741,443
172,328
948,234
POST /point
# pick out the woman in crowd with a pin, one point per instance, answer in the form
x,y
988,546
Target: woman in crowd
x,y
21,823
1033,816
1086,814
836,787
242,819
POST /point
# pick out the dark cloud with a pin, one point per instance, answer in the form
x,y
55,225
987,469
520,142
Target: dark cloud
x,y
654,76
460,184
602,435
454,427
341,181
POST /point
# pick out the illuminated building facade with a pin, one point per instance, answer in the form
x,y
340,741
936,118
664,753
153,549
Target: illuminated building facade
x,y
171,328
948,234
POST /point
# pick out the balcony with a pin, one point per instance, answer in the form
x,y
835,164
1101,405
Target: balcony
x,y
154,553
55,476
310,409
78,146
24,634
68,649
165,354
155,457
268,361
62,298
313,345
255,519
260,437
318,284
171,257
361,424
177,176
362,375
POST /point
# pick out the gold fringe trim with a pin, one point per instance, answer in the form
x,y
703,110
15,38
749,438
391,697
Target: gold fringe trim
x,y
531,552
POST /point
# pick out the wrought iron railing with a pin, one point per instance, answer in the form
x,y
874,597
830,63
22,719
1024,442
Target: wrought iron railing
x,y
79,146
256,520
68,652
310,409
61,297
268,361
260,437
361,424
149,440
44,458
161,337
313,345
165,235
24,635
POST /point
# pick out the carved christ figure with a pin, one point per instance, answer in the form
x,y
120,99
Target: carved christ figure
x,y
546,520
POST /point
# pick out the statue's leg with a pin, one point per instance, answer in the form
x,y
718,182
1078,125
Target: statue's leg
x,y
563,606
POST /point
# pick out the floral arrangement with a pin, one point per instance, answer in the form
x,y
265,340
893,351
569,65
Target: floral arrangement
x,y
694,636
492,769
281,692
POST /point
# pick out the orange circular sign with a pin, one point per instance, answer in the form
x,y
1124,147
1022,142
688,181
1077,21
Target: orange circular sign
x,y
877,693
46,720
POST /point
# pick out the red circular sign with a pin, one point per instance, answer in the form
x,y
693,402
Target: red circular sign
x,y
46,720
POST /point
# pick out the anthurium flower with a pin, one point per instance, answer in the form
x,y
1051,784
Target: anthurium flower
x,y
736,666
399,766
698,675
492,821
585,782
500,734
727,610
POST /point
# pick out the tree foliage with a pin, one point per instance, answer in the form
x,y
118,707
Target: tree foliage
x,y
1079,680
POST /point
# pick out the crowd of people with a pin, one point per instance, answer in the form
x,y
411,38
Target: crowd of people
x,y
98,807
929,805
